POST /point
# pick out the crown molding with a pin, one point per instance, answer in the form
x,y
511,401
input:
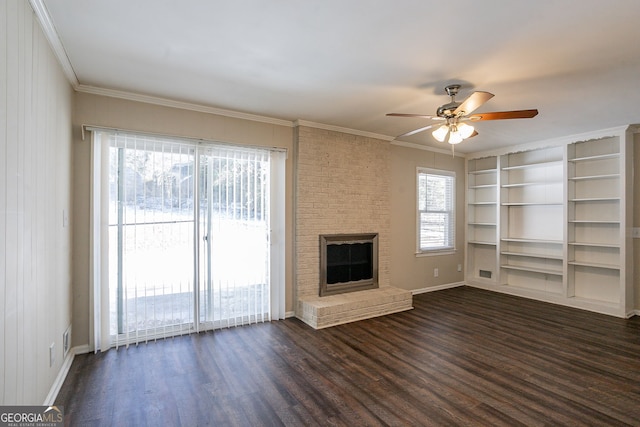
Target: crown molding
x,y
165,102
554,142
343,130
49,30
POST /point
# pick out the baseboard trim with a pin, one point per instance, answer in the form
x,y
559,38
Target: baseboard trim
x,y
62,375
82,349
64,371
437,288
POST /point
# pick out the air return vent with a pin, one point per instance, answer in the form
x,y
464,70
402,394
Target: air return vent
x,y
485,273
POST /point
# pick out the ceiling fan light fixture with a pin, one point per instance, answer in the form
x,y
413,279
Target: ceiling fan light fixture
x,y
455,137
465,130
441,133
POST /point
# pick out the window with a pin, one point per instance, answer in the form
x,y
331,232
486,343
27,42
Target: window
x,y
436,210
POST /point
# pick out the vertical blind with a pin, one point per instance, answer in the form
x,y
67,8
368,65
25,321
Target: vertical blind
x,y
234,204
436,210
151,238
187,237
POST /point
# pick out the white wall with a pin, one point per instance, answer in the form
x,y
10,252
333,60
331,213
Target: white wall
x,y
35,182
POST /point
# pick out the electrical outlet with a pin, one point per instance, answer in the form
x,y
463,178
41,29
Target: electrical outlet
x,y
435,272
52,354
459,267
636,232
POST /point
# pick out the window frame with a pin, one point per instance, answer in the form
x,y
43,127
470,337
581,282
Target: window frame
x,y
451,212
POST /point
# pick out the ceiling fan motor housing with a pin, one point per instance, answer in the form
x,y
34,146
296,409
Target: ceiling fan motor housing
x,y
447,110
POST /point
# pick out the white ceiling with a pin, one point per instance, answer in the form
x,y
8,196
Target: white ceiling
x,y
348,62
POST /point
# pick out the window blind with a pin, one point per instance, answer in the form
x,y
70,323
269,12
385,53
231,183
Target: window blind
x,y
436,210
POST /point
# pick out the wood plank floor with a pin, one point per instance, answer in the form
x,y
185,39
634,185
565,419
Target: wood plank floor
x,y
464,356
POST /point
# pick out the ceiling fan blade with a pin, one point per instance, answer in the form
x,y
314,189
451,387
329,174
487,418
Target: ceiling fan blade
x,y
425,116
473,101
475,133
502,115
413,132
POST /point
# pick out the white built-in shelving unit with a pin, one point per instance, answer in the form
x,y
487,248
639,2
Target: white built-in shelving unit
x,y
552,222
482,215
531,206
595,227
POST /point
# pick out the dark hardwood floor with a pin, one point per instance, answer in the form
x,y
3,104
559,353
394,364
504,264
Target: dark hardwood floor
x,y
464,356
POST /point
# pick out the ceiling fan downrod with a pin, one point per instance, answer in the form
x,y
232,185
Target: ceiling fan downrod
x,y
447,110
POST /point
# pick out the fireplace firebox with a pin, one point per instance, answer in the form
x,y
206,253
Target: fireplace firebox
x,y
348,263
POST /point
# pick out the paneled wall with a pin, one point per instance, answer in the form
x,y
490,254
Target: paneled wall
x,y
35,202
636,220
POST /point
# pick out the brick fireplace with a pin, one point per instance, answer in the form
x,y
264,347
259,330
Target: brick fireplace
x,y
342,188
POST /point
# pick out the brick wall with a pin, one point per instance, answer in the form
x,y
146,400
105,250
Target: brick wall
x,y
342,187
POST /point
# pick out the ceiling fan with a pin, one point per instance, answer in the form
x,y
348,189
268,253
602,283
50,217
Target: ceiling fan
x,y
455,116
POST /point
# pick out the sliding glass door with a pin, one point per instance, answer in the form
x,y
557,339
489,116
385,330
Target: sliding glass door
x,y
234,218
189,235
151,238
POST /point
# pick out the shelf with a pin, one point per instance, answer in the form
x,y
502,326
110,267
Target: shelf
x,y
520,240
596,199
529,255
483,171
474,187
532,204
595,265
533,165
589,177
592,221
481,203
532,270
597,157
479,242
595,245
530,184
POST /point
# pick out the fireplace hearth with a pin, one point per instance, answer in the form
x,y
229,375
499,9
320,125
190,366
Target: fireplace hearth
x,y
348,263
